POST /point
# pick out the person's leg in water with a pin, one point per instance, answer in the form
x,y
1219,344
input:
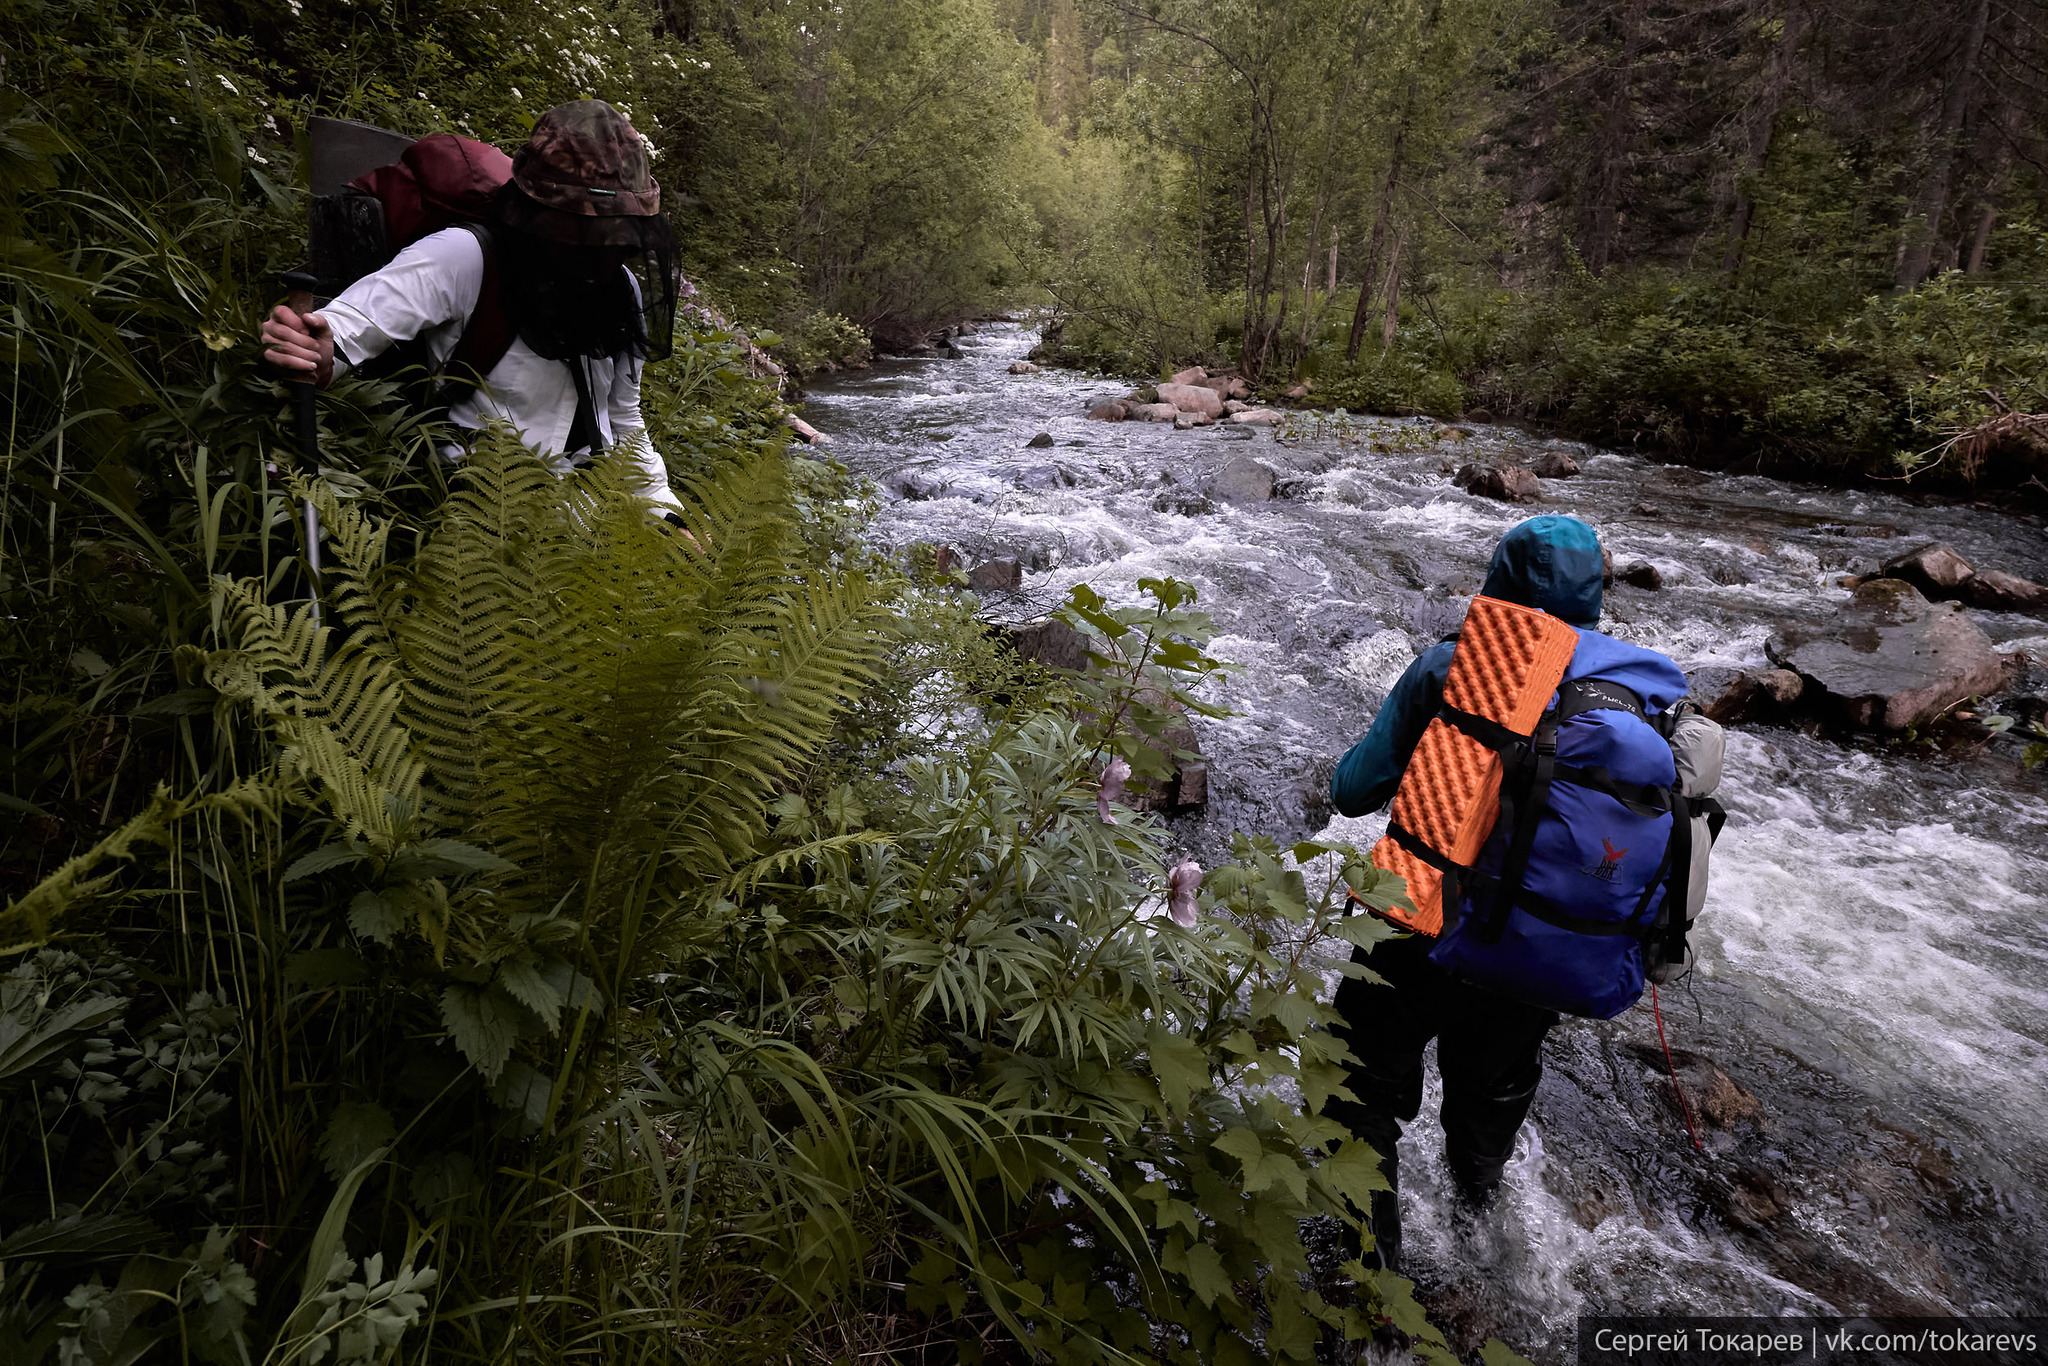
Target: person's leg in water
x,y
1490,1053
1386,1028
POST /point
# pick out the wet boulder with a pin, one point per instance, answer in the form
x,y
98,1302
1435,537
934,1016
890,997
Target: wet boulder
x,y
1943,575
1242,480
1154,412
1113,411
1040,478
1023,367
913,486
1182,501
1756,695
1040,442
1892,660
1640,574
1192,398
1505,483
1997,591
1300,390
1054,644
1257,417
1194,374
996,576
1226,386
1935,569
1553,465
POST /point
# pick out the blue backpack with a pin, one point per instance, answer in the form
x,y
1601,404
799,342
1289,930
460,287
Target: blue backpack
x,y
1584,883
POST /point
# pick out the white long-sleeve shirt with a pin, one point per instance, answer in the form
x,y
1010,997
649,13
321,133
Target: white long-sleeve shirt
x,y
429,289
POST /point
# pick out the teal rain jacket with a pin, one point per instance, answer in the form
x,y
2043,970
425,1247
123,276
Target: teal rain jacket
x,y
1549,563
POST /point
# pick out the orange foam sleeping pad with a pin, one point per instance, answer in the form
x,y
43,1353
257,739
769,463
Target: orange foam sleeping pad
x,y
1507,665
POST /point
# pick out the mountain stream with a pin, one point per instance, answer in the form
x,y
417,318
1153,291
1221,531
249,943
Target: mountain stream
x,y
1865,1043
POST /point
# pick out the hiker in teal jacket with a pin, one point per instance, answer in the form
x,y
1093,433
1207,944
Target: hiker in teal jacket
x,y
1489,1048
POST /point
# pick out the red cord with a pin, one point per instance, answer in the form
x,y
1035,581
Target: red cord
x,y
1684,1105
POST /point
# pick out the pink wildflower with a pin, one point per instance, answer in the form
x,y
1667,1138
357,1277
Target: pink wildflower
x,y
1112,788
1181,885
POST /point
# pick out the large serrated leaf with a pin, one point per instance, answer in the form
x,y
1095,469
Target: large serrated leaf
x,y
1180,1065
483,1025
378,916
526,983
327,856
358,1129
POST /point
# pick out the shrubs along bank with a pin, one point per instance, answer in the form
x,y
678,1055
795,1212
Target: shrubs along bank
x,y
576,939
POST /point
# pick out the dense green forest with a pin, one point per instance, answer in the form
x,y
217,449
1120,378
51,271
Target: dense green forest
x,y
569,939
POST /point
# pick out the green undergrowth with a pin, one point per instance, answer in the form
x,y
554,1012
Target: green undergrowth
x,y
548,933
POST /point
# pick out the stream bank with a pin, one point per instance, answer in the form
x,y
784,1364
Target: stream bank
x,y
1866,1037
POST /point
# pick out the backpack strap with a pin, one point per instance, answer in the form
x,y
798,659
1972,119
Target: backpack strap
x,y
486,336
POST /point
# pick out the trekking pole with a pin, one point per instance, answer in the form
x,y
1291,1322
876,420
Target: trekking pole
x,y
299,300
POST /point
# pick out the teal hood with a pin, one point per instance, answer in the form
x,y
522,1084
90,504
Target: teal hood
x,y
1551,564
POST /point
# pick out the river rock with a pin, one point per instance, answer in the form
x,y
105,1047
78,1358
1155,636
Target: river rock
x,y
914,487
1553,465
1299,391
1023,367
1893,660
1257,417
1935,569
1194,374
1192,398
1054,644
948,351
996,576
1113,411
1235,405
1182,501
1640,574
1147,395
1758,695
1507,483
1997,591
1040,442
1226,386
1230,433
1042,477
1243,480
1154,412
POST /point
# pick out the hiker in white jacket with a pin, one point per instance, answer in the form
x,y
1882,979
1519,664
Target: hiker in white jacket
x,y
581,208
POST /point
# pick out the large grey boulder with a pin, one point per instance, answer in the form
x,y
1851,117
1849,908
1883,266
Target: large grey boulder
x,y
1242,480
1192,398
1194,374
1154,412
1893,660
1554,465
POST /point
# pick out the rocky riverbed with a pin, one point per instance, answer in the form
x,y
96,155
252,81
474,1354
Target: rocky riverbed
x,y
1865,1042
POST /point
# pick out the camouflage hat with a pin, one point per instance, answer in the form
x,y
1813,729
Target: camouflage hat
x,y
585,158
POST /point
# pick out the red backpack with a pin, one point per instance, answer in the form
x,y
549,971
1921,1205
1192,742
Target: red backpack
x,y
440,181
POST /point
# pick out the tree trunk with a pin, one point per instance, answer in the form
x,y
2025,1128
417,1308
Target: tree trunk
x,y
1763,131
1392,322
1987,214
1613,145
1925,220
1372,251
1331,288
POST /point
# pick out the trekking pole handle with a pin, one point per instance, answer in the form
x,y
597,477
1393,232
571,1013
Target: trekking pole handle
x,y
299,286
